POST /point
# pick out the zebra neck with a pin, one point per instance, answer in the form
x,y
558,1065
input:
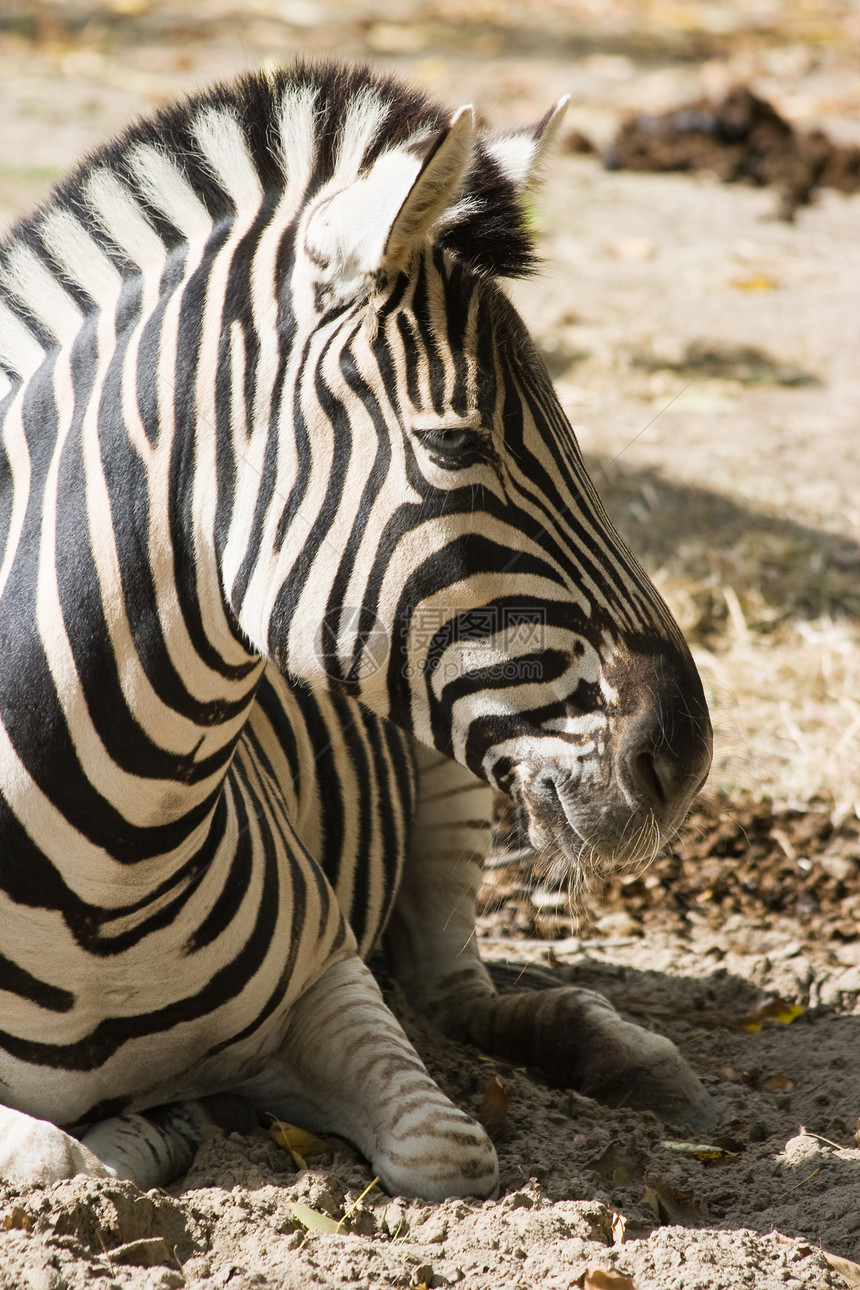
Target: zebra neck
x,y
130,685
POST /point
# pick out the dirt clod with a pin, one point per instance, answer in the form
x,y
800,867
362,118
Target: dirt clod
x,y
742,139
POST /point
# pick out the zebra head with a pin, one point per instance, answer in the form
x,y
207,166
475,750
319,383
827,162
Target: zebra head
x,y
430,540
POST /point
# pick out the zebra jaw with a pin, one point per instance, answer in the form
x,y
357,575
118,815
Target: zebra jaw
x,y
614,810
572,842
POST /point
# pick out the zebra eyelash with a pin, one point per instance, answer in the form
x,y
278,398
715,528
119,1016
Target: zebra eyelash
x,y
455,447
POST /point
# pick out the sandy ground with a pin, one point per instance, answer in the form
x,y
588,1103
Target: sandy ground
x,y
737,478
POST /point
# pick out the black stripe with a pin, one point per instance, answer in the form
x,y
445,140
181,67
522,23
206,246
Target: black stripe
x,y
17,980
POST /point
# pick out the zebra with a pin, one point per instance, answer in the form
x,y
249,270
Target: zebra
x,y
301,563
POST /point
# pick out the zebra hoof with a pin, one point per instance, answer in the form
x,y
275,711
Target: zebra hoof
x,y
655,1078
470,1170
577,1038
673,1094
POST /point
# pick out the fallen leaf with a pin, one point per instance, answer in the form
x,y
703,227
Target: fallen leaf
x,y
619,1228
605,1279
317,1222
704,1151
670,1204
494,1108
757,282
17,1219
298,1142
312,1219
779,1084
771,1009
850,1272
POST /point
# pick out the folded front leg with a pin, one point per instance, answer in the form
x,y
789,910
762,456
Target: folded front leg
x,y
150,1148
574,1036
577,1039
346,1067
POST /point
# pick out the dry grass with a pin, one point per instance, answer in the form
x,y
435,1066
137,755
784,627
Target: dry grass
x,y
786,719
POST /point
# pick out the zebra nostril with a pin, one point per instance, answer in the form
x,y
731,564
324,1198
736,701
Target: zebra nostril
x,y
646,780
548,785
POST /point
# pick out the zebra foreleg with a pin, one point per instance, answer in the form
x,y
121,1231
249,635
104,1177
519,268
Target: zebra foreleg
x,y
578,1040
154,1147
347,1068
574,1036
150,1149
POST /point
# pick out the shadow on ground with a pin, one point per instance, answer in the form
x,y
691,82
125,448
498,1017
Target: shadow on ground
x,y
796,570
783,1154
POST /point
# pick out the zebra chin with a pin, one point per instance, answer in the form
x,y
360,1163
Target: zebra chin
x,y
610,799
573,840
615,816
604,776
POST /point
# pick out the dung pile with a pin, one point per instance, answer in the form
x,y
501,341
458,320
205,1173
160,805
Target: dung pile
x,y
742,139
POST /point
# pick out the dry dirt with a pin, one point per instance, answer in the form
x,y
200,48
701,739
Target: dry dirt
x,y
708,353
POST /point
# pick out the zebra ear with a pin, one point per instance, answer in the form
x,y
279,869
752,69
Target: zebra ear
x,y
436,187
383,215
521,155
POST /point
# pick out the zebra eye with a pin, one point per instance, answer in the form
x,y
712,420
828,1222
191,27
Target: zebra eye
x,y
453,446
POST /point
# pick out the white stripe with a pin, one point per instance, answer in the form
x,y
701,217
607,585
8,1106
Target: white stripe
x,y
296,139
27,278
81,258
166,188
19,348
540,749
224,145
204,494
362,122
121,217
515,154
18,457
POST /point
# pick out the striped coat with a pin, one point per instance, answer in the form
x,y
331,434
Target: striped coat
x,y
288,501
